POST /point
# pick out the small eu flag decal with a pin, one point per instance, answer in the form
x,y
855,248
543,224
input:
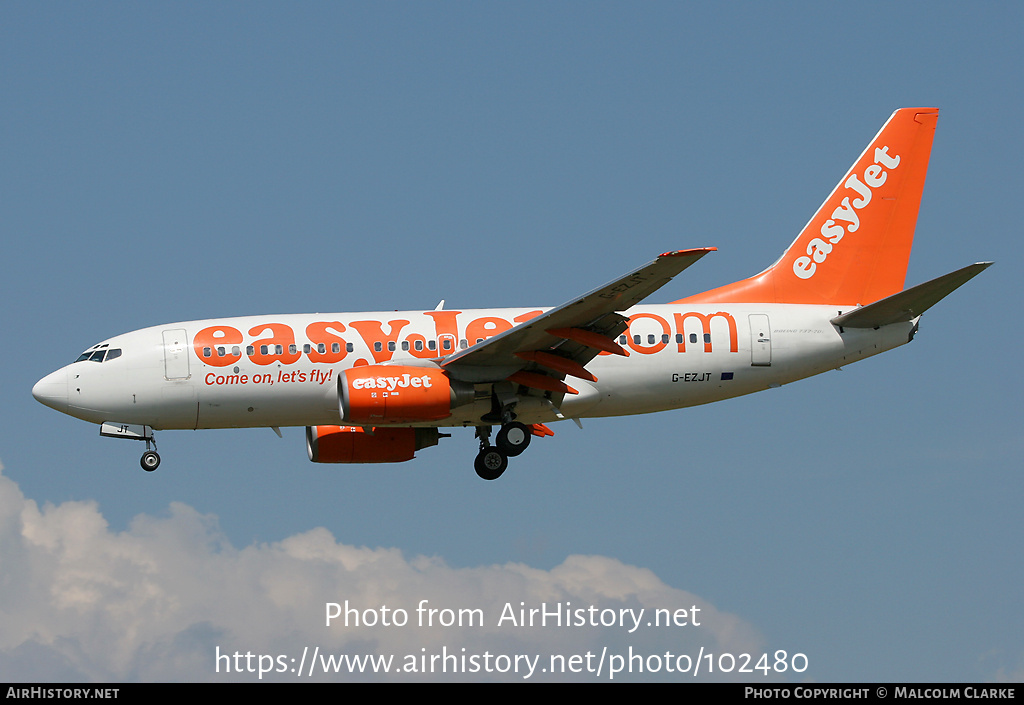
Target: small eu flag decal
x,y
726,375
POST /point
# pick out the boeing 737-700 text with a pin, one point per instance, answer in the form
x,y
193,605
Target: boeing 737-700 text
x,y
377,387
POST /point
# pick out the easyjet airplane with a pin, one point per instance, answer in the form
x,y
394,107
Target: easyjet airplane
x,y
377,387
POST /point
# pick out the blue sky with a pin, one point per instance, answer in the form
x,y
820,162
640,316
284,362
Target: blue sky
x,y
167,163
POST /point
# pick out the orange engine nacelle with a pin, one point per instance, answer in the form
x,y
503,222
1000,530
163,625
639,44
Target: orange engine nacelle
x,y
394,394
352,444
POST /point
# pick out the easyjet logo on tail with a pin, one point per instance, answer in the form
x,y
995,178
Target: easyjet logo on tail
x,y
845,218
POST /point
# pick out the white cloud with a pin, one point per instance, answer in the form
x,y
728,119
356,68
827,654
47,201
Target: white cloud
x,y
81,602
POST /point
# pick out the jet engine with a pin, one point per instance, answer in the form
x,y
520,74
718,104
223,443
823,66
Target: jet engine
x,y
353,444
395,394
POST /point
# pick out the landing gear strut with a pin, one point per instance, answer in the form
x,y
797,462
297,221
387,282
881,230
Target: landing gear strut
x,y
490,462
150,459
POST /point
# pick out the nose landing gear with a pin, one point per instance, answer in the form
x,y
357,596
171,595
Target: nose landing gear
x,y
150,460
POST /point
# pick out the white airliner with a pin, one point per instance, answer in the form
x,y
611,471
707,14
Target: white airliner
x,y
377,387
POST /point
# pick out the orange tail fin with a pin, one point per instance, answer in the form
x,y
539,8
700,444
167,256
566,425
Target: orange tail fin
x,y
856,248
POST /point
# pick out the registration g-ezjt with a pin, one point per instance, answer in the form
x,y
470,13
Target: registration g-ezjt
x,y
378,387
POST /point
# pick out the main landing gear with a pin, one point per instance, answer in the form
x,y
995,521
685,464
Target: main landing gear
x,y
512,439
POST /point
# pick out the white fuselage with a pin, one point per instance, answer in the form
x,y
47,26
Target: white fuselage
x,y
283,370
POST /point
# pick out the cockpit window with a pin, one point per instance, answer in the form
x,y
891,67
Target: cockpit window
x,y
99,353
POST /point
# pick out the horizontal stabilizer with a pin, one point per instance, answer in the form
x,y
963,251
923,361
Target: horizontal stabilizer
x,y
909,304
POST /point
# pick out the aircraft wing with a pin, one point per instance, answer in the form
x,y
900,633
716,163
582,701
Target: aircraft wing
x,y
564,339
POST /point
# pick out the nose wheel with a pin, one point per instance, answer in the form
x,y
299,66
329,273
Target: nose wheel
x,y
150,460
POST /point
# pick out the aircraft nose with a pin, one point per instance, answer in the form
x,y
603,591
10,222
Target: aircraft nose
x,y
52,390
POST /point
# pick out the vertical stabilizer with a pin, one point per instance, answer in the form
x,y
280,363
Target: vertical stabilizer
x,y
856,248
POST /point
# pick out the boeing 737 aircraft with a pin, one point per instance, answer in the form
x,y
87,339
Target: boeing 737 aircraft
x,y
377,387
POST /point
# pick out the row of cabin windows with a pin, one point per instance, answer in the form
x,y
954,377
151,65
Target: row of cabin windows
x,y
278,349
102,353
652,339
446,345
